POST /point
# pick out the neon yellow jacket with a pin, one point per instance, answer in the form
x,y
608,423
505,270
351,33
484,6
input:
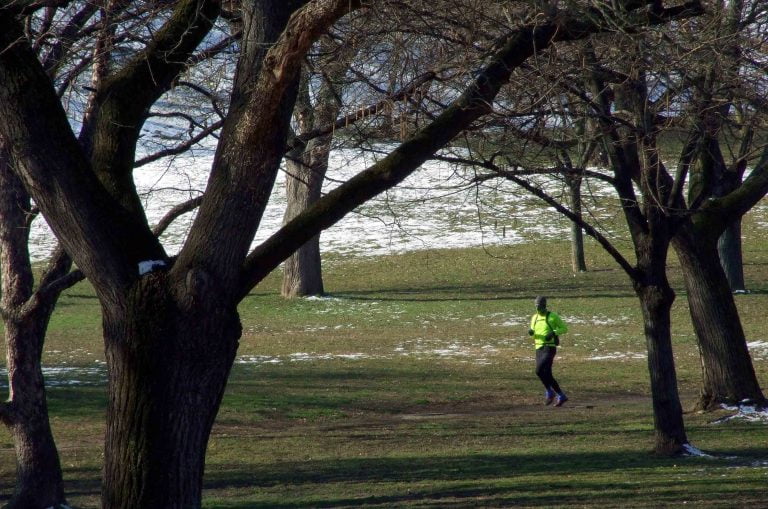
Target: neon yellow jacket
x,y
543,325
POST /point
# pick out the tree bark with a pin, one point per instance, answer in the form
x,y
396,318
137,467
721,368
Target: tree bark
x,y
169,351
307,166
578,261
38,470
302,271
729,247
651,225
656,301
728,376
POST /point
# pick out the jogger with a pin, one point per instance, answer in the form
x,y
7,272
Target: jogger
x,y
546,327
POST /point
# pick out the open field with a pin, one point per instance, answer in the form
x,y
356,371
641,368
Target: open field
x,y
412,385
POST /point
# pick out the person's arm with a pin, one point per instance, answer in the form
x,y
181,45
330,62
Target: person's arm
x,y
557,324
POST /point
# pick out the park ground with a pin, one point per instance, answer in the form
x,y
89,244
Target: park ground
x,y
411,385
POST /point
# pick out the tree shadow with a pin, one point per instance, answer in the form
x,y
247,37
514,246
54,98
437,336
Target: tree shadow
x,y
472,480
416,469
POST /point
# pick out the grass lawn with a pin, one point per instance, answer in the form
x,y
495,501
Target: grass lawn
x,y
412,385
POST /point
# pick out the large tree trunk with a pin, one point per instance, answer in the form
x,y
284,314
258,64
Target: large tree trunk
x,y
651,226
656,302
171,338
169,351
727,372
38,471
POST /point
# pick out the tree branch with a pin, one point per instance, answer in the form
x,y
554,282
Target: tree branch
x,y
175,213
123,99
67,38
254,135
716,213
588,228
180,148
362,113
27,7
56,278
471,105
531,171
216,49
57,174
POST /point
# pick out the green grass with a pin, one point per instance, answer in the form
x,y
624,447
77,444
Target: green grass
x,y
415,388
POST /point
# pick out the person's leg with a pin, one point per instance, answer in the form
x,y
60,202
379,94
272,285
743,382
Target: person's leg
x,y
561,397
544,367
544,358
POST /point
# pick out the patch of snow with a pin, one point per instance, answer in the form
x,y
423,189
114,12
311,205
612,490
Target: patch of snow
x,y
514,321
308,357
148,266
63,376
690,450
352,356
596,320
758,349
619,356
321,298
257,359
745,413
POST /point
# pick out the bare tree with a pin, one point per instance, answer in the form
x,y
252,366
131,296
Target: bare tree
x,y
718,81
673,87
63,37
171,325
307,163
25,314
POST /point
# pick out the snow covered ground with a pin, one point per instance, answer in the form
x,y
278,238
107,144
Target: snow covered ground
x,y
437,207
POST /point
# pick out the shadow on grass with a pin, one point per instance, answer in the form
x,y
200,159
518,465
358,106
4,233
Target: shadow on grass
x,y
667,494
77,401
475,480
87,484
419,469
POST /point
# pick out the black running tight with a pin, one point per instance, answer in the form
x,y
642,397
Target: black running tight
x,y
545,356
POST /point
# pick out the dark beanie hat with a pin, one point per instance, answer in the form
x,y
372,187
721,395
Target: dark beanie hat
x,y
541,302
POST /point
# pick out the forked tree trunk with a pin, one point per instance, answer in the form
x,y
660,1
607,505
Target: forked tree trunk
x,y
308,164
169,350
728,375
302,271
656,302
